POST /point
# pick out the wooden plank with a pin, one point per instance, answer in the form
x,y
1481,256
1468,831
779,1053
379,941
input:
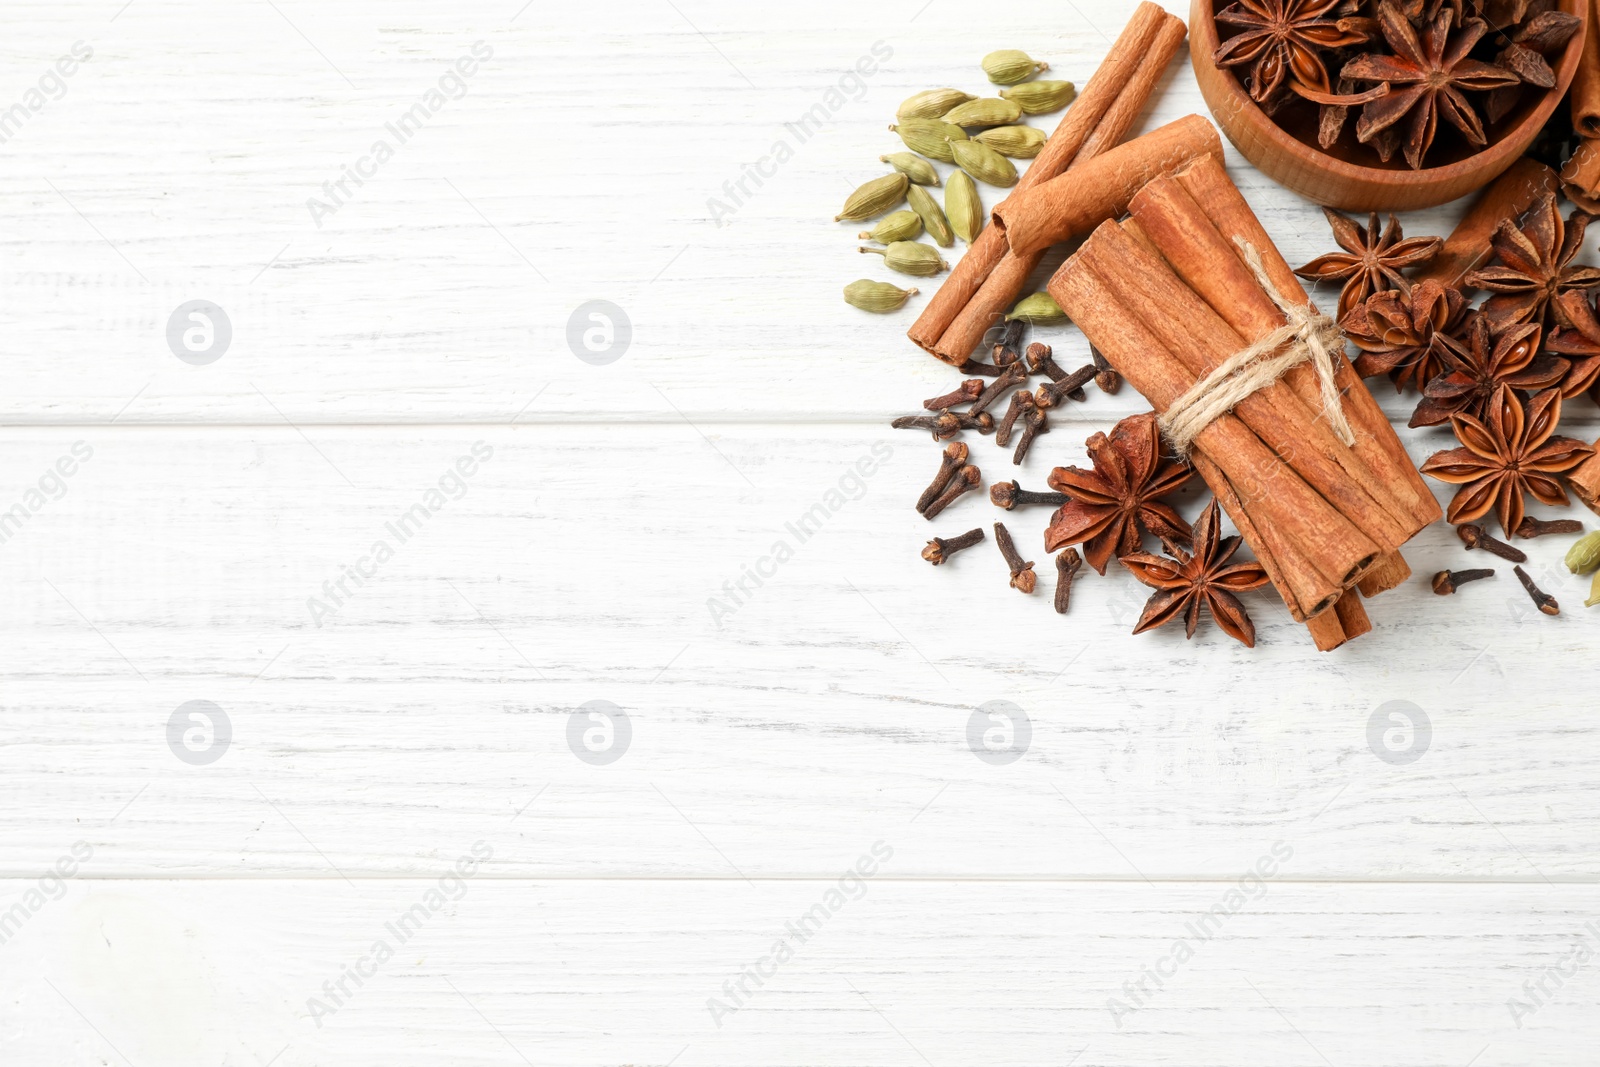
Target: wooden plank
x,y
580,565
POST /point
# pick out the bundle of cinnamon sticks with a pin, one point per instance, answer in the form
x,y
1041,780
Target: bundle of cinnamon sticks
x,y
1167,296
991,275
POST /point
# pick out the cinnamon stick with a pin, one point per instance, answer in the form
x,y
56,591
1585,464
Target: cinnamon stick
x,y
1279,560
1100,189
988,279
1347,621
1580,176
1468,246
1586,81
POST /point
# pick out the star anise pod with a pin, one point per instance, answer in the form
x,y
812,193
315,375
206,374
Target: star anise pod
x,y
1579,342
1481,365
1371,260
1533,265
1116,502
1507,454
1185,582
1426,77
1399,334
1281,41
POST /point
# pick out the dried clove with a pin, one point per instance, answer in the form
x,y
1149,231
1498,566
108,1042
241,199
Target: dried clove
x,y
1532,527
969,390
1040,362
1474,536
1054,394
1005,349
1010,495
1447,582
1014,375
1106,376
1033,424
1021,401
1022,576
965,480
1067,563
940,549
946,424
973,366
1546,603
954,458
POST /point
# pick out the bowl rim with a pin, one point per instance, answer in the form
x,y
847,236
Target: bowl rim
x,y
1204,39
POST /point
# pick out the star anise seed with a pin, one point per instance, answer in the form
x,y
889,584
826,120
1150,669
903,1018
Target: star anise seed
x,y
1401,334
1281,41
1372,259
1481,365
1114,504
1579,342
1206,577
1533,265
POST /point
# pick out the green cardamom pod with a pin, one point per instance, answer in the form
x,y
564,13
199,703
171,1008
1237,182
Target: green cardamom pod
x,y
932,216
930,137
1584,555
984,163
913,166
901,226
1041,98
931,103
1010,66
989,111
876,297
874,198
1018,142
1039,309
1594,592
909,257
962,207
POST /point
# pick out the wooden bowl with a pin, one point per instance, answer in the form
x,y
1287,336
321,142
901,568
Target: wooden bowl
x,y
1360,182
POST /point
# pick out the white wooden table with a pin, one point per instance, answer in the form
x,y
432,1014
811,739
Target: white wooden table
x,y
629,912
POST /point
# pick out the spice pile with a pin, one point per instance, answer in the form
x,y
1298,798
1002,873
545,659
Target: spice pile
x,y
1431,79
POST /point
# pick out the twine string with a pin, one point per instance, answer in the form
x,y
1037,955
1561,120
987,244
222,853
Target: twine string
x,y
1307,332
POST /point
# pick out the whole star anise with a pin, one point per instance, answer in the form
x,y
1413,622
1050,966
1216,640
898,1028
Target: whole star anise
x,y
1507,454
1206,577
1482,364
1282,40
1426,77
1400,334
1113,504
1372,259
1532,265
1579,342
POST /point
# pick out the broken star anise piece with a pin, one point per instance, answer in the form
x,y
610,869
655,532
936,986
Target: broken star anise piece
x,y
1426,77
1206,577
1579,342
1400,334
1533,265
1507,454
1372,259
1481,365
1281,41
1113,504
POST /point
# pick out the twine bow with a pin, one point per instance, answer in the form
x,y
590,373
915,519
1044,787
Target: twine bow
x,y
1309,334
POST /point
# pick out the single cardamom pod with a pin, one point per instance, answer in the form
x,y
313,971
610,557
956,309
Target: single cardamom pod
x,y
1018,142
930,137
876,297
1584,555
913,166
1010,66
932,216
874,198
989,111
984,163
900,226
931,103
910,257
1041,98
962,207
1039,309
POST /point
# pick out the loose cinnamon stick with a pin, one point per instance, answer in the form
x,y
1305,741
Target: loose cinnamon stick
x,y
1100,189
1586,81
1376,442
1288,513
988,279
1468,248
1585,481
